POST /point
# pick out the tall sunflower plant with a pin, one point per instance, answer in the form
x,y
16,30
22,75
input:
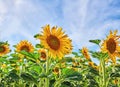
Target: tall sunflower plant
x,y
108,59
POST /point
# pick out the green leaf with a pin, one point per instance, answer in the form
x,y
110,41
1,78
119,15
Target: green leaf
x,y
36,68
35,55
99,55
29,78
71,74
2,60
30,56
93,71
6,43
115,75
96,41
93,83
68,59
43,75
66,84
117,68
36,36
76,54
39,46
88,76
13,75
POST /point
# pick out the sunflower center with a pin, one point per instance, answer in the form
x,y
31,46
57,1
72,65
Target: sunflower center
x,y
25,48
85,53
111,45
43,55
2,49
56,69
53,42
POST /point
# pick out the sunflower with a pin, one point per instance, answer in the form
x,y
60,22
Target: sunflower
x,y
111,46
96,67
115,81
56,70
91,64
4,49
24,45
57,43
43,54
85,53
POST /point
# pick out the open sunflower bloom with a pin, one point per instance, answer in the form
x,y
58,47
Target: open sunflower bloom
x,y
4,49
57,43
111,46
56,70
43,54
24,45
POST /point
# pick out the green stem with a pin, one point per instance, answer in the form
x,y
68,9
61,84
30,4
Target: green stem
x,y
0,77
47,71
103,67
102,73
13,84
119,82
31,85
107,81
39,84
40,79
58,82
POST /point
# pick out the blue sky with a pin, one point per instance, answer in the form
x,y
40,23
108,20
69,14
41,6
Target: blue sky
x,y
81,19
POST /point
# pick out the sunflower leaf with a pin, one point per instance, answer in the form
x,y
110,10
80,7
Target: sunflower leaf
x,y
13,75
99,55
76,54
96,41
36,36
29,78
115,75
39,46
71,74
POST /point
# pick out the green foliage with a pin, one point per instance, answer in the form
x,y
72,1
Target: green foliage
x,y
36,36
39,46
97,41
116,74
99,55
71,74
29,78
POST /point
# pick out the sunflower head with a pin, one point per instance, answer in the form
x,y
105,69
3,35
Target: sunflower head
x,y
24,45
91,64
57,43
115,81
96,67
4,49
43,54
85,53
56,70
111,45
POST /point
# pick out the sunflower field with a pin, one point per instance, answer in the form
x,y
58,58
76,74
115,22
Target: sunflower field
x,y
52,63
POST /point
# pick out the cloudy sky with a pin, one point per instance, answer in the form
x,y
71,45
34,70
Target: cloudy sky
x,y
81,19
